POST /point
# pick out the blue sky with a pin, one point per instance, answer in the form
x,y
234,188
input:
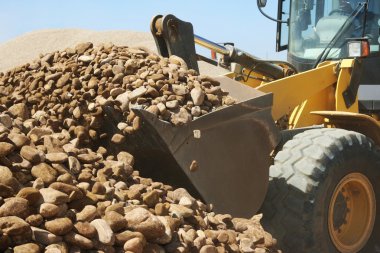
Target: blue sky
x,y
235,21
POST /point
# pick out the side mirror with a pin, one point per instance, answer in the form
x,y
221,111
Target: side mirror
x,y
262,3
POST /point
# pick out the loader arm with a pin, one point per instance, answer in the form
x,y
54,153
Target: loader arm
x,y
293,90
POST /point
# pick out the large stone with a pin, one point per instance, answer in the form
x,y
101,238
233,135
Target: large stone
x,y
83,47
35,220
124,236
74,165
89,158
141,220
86,58
126,158
44,171
180,90
137,93
85,229
6,191
181,118
79,240
36,133
88,213
5,148
115,220
19,110
32,154
56,157
135,245
6,120
59,226
15,207
72,191
197,95
208,249
48,210
123,99
105,233
13,225
180,211
32,195
27,248
53,196
18,139
6,178
44,237
151,198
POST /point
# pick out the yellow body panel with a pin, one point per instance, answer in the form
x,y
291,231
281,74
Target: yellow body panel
x,y
319,89
291,91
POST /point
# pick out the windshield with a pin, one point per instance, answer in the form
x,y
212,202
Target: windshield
x,y
314,23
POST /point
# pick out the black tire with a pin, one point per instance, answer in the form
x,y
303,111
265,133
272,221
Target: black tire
x,y
302,181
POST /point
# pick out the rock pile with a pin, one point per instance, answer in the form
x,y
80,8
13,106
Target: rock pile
x,y
61,187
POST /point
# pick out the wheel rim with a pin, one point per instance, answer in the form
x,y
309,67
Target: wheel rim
x,y
352,213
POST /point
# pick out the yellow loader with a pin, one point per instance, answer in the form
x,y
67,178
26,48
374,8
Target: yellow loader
x,y
301,145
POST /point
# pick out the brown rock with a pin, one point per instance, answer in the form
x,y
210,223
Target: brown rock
x,y
98,188
126,158
115,220
6,191
48,210
19,110
135,245
35,220
74,165
32,195
85,229
72,191
58,157
141,220
19,140
122,237
79,240
89,158
44,171
53,196
83,47
105,233
151,198
6,178
136,93
13,225
118,138
197,95
208,249
181,118
44,237
180,211
162,209
60,226
27,248
15,207
5,148
88,213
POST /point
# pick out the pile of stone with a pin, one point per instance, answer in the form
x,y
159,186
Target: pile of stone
x,y
61,187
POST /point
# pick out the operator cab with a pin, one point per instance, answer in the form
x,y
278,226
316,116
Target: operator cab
x,y
325,26
319,30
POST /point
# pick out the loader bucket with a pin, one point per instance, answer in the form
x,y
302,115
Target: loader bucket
x,y
222,157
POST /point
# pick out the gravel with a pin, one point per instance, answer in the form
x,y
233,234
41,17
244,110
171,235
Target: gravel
x,y
27,47
67,184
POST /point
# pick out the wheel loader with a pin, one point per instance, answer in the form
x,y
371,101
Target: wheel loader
x,y
301,144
